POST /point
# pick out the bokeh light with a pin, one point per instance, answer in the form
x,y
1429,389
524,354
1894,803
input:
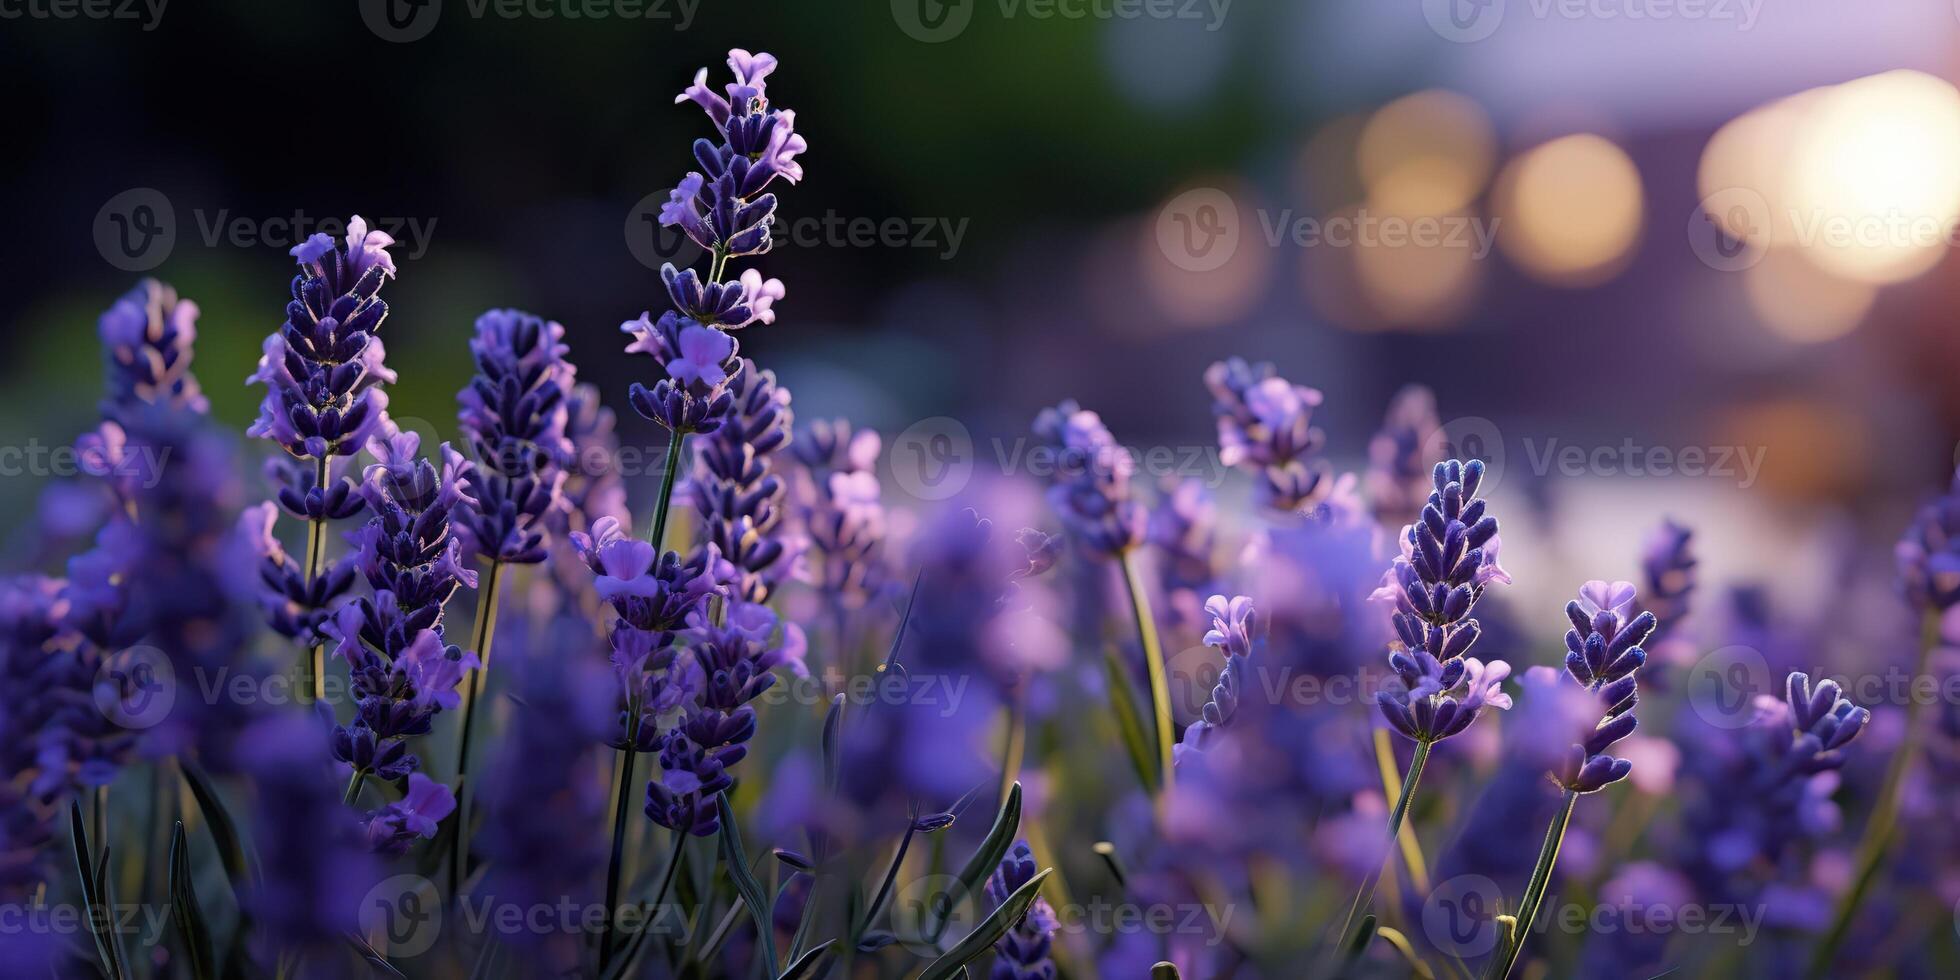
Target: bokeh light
x,y
1570,210
1801,303
1426,153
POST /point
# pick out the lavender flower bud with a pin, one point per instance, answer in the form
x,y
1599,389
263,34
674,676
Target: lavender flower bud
x,y
1399,463
1928,556
1602,654
738,495
1233,624
1023,953
146,348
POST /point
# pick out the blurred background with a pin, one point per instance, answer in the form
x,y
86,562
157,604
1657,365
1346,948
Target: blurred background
x,y
1612,227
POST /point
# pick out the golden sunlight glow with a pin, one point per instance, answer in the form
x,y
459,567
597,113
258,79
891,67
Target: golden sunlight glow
x,y
1570,210
1802,303
1426,153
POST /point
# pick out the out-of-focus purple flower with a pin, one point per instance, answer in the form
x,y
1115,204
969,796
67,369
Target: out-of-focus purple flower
x,y
1265,427
1668,568
1929,555
146,351
1602,654
514,417
396,826
316,867
323,368
735,489
31,676
543,802
839,506
1401,457
1092,490
1024,950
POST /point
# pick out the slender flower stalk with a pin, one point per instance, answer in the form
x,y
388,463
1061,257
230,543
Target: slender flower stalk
x,y
1603,653
1092,492
323,372
1928,558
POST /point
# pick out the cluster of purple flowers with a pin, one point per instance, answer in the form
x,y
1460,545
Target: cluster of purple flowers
x,y
1232,630
736,491
1448,557
1265,426
1603,653
403,673
1024,952
1401,457
840,511
514,416
1093,490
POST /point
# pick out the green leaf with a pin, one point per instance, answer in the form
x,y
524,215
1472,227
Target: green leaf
x,y
983,937
91,899
738,869
1165,970
1007,824
224,830
184,909
1129,722
812,963
373,956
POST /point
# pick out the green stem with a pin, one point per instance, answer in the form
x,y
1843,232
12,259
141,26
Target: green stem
x,y
1400,812
1017,740
623,796
354,782
485,633
1153,657
659,535
1878,829
312,669
1506,955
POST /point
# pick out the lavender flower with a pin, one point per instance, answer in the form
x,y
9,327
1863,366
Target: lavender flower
x,y
1024,950
295,605
1929,555
1231,634
514,417
734,659
1265,426
1602,653
324,367
30,675
1668,567
722,207
146,347
736,491
838,505
1448,557
700,362
402,671
316,868
1092,483
1400,457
